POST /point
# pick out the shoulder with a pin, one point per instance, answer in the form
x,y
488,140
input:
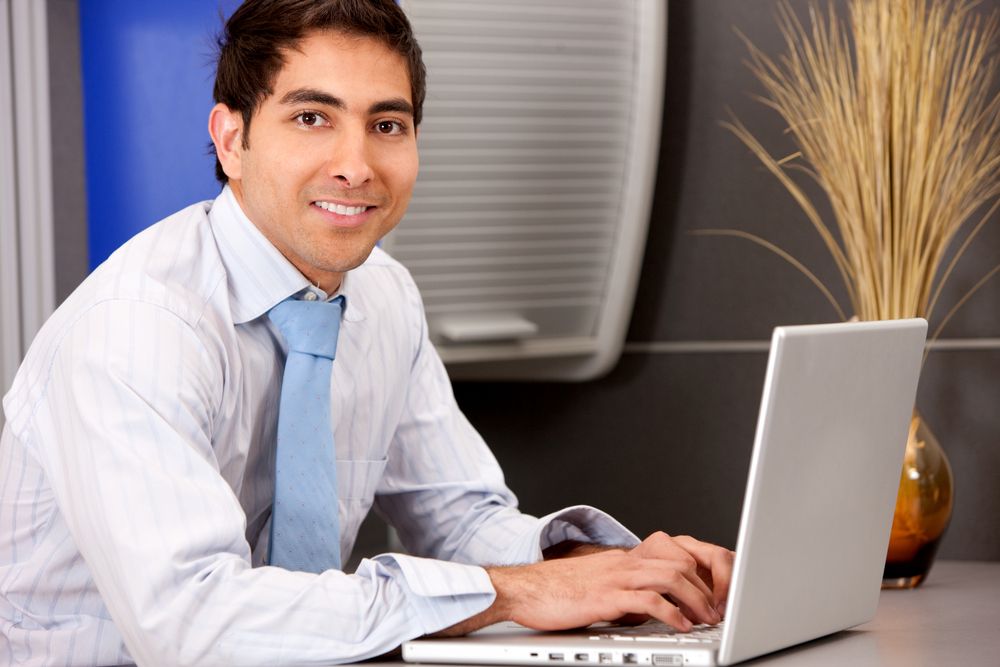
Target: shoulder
x,y
173,264
154,296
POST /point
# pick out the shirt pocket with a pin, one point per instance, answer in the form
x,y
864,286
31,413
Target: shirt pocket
x,y
357,480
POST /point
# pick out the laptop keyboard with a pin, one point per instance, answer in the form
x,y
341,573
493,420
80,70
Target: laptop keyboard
x,y
660,632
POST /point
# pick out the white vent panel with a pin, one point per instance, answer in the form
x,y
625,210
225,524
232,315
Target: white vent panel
x,y
528,157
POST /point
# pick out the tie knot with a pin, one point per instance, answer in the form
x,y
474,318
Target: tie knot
x,y
310,327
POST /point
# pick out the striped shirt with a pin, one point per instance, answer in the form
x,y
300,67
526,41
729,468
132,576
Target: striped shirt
x,y
137,467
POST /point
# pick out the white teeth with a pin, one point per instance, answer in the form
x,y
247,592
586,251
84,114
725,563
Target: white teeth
x,y
341,210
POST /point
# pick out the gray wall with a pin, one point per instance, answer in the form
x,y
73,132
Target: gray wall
x,y
663,442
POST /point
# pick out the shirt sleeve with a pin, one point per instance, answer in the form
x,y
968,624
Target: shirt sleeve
x,y
444,491
123,429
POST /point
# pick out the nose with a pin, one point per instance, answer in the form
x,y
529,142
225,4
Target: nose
x,y
350,163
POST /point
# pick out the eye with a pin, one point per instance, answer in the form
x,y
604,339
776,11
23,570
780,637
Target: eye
x,y
390,127
311,119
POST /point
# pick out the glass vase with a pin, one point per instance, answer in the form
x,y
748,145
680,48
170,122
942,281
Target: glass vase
x,y
923,509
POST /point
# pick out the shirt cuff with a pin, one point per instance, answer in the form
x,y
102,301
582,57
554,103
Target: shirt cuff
x,y
441,593
581,523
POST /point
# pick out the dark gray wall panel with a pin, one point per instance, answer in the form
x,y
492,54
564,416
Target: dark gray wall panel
x,y
958,396
70,204
708,288
664,441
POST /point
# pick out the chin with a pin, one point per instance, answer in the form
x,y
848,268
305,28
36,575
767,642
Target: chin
x,y
344,264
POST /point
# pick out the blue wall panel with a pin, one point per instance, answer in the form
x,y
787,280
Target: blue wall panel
x,y
147,75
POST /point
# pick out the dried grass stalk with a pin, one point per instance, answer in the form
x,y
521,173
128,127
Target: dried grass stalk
x,y
898,123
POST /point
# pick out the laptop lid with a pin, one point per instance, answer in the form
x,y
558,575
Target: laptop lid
x,y
823,479
816,516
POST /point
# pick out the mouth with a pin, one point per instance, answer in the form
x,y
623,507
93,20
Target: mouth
x,y
344,214
341,209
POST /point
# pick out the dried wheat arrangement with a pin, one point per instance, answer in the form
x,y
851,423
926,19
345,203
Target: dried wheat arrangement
x,y
896,117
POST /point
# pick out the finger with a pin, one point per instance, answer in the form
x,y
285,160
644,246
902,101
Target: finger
x,y
693,553
660,545
722,577
689,568
655,606
687,590
631,619
717,560
654,574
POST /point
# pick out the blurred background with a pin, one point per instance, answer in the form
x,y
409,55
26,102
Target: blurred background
x,y
663,440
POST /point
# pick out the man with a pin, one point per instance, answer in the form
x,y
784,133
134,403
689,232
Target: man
x,y
141,480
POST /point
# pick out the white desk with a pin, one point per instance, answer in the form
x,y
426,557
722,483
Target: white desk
x,y
953,619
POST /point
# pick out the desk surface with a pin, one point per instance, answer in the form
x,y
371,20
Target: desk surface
x,y
953,619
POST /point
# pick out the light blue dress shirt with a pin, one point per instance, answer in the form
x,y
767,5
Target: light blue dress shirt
x,y
136,468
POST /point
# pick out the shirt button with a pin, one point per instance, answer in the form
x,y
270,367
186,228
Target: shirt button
x,y
309,296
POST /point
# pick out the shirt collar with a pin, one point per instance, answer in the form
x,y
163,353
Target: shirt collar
x,y
258,275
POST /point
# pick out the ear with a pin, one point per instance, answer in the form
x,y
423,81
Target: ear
x,y
226,129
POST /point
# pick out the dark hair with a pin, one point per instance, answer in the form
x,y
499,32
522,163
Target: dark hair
x,y
251,44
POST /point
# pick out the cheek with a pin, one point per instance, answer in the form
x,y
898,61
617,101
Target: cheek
x,y
283,163
267,190
402,173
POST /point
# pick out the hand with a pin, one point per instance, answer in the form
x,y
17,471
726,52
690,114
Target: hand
x,y
713,565
607,586
575,592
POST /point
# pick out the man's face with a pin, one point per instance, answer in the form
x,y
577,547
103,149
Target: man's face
x,y
332,154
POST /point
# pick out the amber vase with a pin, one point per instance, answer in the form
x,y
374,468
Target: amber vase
x,y
923,509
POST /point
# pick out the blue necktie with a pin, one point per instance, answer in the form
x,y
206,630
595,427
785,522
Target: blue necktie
x,y
305,525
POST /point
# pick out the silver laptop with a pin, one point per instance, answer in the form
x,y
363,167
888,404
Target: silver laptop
x,y
816,516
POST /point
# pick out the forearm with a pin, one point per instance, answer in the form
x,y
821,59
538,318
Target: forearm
x,y
269,616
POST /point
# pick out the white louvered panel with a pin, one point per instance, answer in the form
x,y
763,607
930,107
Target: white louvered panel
x,y
27,270
526,147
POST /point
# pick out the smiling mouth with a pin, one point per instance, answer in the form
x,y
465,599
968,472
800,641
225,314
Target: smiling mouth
x,y
340,209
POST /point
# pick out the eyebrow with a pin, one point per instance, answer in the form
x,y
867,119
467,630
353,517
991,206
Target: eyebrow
x,y
395,105
314,96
